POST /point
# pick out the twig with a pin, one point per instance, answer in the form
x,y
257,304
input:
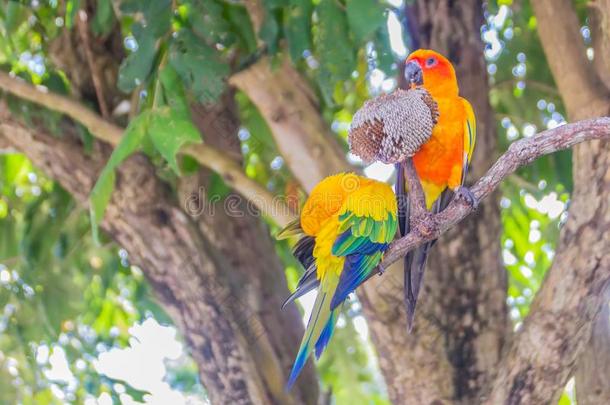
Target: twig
x,y
83,31
206,155
520,153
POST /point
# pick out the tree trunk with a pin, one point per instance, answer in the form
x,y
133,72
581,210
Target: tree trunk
x,y
569,300
593,368
461,324
228,310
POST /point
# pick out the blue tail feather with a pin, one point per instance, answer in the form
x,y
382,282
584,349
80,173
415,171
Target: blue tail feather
x,y
299,363
327,333
305,348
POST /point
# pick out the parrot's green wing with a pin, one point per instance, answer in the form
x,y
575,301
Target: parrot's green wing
x,y
367,226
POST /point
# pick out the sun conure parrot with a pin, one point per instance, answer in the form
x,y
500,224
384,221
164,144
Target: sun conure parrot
x,y
346,224
442,162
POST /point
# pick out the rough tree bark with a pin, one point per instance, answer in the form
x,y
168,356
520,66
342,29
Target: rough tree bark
x,y
462,321
534,373
593,368
231,320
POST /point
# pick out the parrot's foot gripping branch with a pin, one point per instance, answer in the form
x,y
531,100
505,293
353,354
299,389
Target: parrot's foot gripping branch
x,y
463,193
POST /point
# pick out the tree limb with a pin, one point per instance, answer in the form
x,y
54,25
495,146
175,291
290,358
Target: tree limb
x,y
520,153
212,158
288,105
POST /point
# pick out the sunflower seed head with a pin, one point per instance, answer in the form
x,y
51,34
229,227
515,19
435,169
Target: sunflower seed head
x,y
392,127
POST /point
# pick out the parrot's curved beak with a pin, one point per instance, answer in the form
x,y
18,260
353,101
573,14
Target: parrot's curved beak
x,y
414,74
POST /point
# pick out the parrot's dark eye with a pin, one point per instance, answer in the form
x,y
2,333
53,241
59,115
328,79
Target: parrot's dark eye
x,y
430,62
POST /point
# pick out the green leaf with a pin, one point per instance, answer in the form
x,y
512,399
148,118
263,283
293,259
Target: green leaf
x,y
102,191
364,17
104,18
270,30
169,130
217,188
15,15
138,65
275,4
385,58
72,6
173,90
207,20
200,66
298,28
334,47
157,14
241,26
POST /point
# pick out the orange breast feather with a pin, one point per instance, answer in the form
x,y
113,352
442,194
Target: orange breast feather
x,y
443,153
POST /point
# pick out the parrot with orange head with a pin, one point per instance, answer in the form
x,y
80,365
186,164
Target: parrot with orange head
x,y
442,162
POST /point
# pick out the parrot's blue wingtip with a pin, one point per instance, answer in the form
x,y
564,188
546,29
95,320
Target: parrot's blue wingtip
x,y
299,363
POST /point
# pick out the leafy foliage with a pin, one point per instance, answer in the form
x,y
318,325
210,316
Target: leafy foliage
x,y
199,66
60,293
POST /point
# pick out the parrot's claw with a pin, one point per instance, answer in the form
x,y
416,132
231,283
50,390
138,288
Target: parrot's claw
x,y
465,194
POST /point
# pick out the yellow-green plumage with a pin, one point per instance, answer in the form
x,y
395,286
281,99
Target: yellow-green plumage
x,y
348,222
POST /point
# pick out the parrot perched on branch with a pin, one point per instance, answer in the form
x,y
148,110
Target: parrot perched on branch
x,y
346,225
442,162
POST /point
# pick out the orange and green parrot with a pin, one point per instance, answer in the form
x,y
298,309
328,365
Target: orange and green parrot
x,y
346,225
442,162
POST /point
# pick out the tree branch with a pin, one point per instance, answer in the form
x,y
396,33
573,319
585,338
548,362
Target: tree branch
x,y
520,153
212,158
287,103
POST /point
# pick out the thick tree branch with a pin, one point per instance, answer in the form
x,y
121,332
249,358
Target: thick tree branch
x,y
520,153
212,158
288,105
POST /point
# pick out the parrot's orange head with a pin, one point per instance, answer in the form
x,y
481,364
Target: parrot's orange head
x,y
433,71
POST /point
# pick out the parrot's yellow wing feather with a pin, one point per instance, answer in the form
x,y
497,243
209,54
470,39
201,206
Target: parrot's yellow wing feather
x,y
470,136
